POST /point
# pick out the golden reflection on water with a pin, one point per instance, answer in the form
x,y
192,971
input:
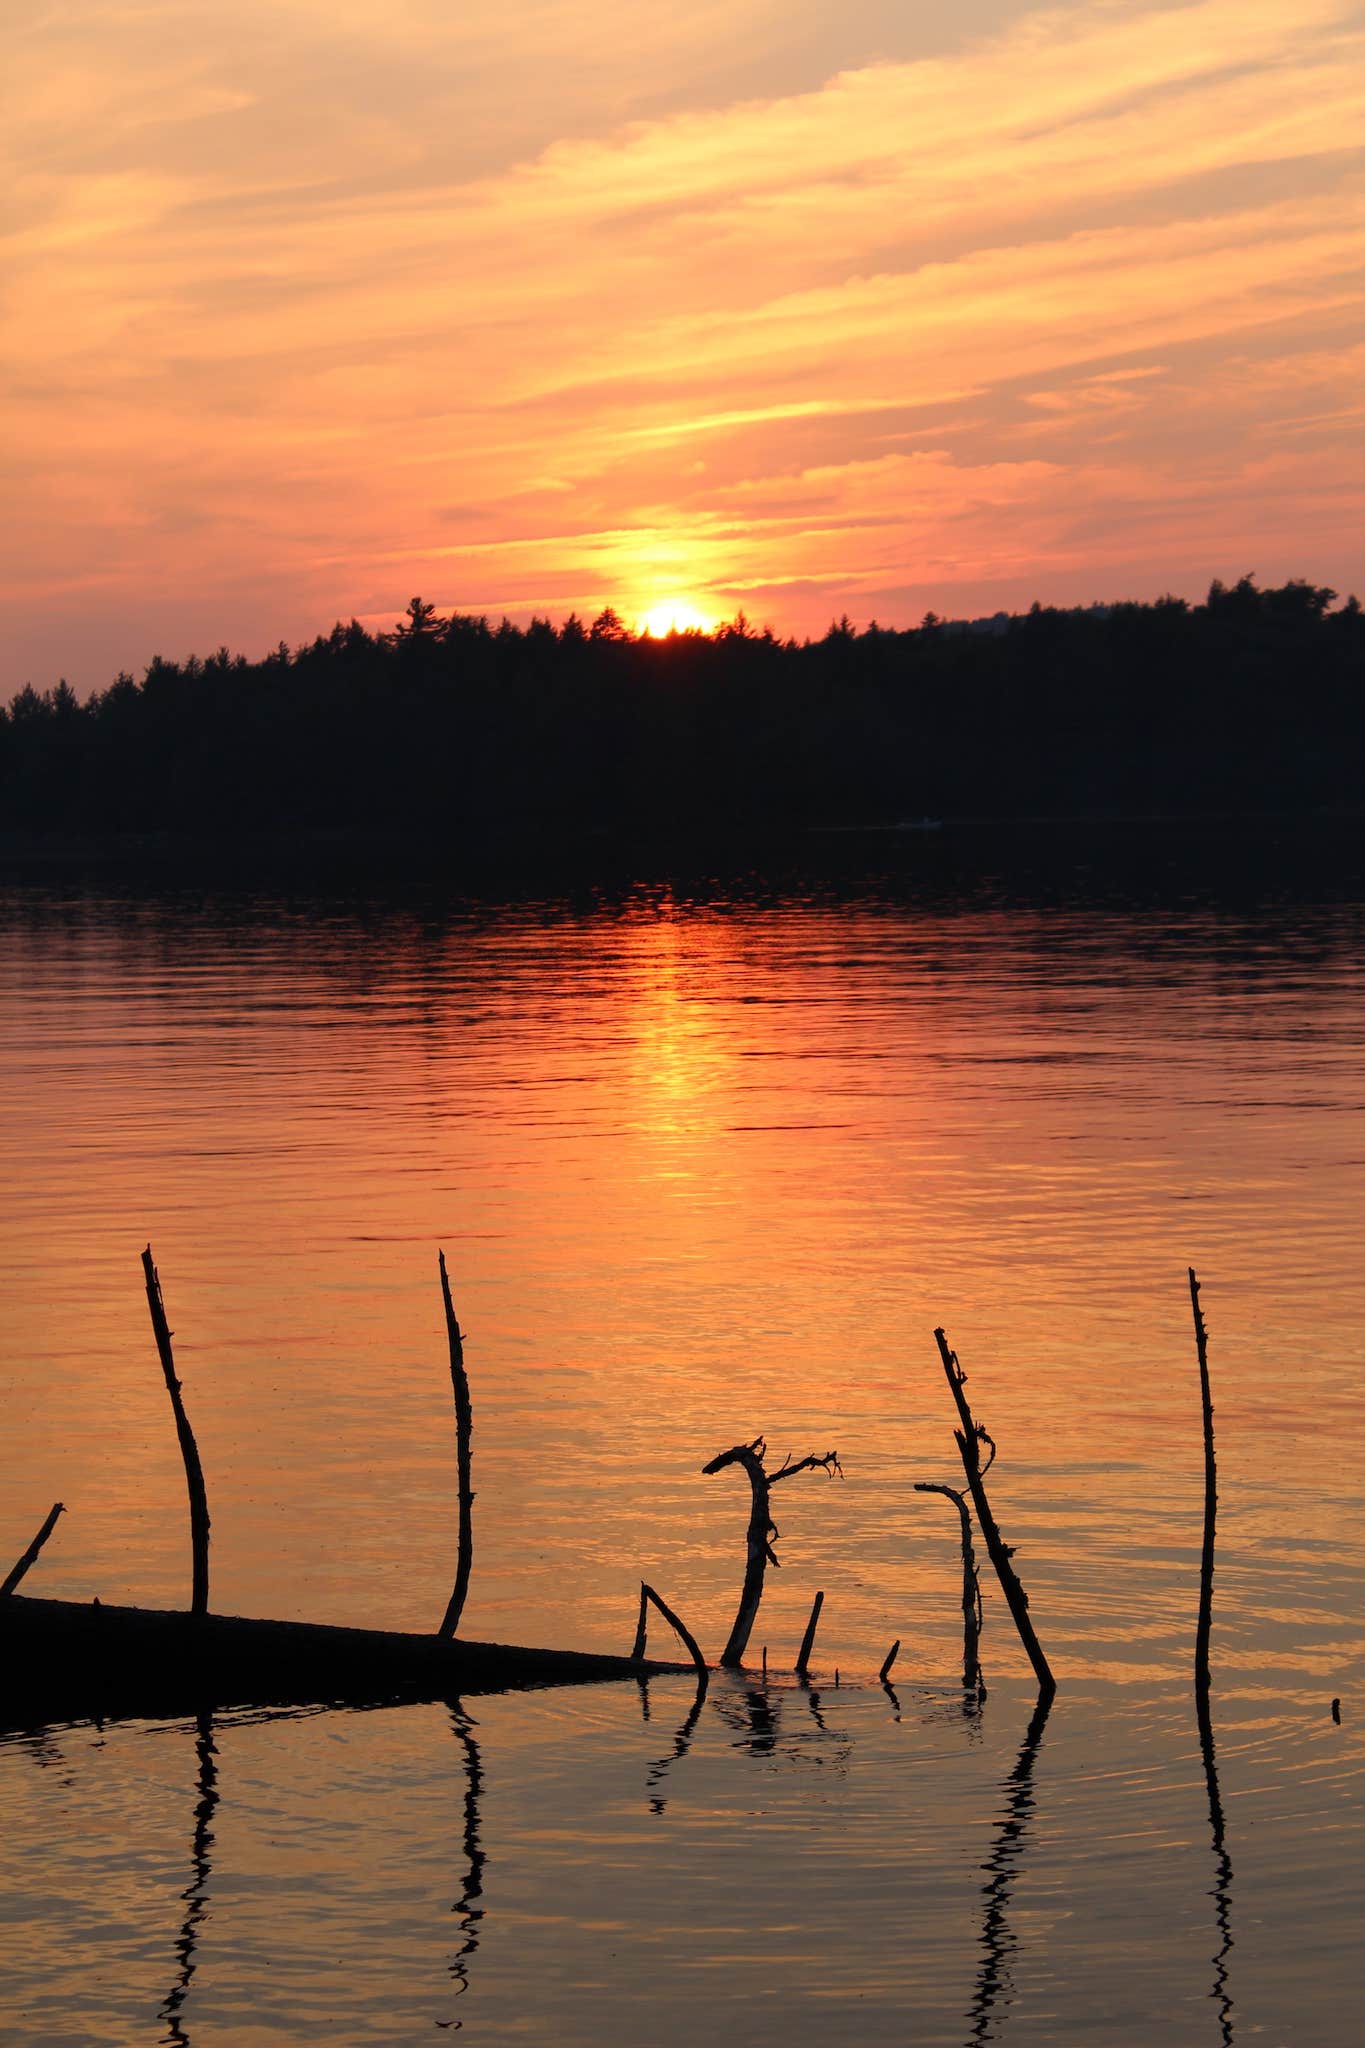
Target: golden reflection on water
x,y
701,1171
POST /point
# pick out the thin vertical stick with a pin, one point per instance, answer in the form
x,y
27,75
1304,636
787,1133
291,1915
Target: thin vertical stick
x,y
969,1440
808,1639
31,1553
1204,1629
464,1431
637,1649
971,1589
189,1450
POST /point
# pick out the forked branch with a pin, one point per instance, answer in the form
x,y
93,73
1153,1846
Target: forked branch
x,y
762,1531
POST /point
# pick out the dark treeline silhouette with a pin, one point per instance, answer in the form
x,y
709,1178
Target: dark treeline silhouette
x,y
454,728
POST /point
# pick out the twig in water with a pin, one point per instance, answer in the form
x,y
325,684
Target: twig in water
x,y
1204,1628
971,1590
464,1431
30,1555
189,1450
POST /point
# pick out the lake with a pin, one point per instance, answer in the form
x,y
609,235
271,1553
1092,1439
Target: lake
x,y
707,1162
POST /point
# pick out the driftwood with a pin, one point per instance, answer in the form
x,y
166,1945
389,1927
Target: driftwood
x,y
763,1531
808,1639
189,1450
464,1431
889,1659
970,1438
971,1590
30,1555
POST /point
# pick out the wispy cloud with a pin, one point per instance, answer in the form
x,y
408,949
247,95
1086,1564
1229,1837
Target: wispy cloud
x,y
926,326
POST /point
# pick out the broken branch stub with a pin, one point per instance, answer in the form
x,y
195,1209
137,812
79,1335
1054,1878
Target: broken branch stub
x,y
808,1639
189,1449
762,1531
970,1438
464,1432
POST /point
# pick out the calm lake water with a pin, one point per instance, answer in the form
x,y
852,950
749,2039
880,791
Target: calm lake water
x,y
705,1164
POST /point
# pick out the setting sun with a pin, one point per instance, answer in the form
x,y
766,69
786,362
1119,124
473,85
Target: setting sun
x,y
674,615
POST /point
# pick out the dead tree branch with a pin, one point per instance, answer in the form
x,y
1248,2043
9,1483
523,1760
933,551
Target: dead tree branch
x,y
763,1531
464,1431
971,1589
1205,1625
189,1450
970,1438
680,1629
30,1555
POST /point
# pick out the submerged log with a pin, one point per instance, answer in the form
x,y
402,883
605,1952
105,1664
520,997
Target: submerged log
x,y
62,1659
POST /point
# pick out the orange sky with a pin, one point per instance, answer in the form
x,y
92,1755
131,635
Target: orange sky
x,y
312,304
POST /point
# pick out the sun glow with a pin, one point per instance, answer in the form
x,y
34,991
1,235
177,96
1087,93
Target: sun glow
x,y
674,615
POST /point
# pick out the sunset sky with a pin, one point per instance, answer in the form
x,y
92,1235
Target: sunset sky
x,y
313,304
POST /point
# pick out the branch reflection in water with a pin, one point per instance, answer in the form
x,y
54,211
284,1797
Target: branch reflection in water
x,y
754,1711
994,1984
195,1894
682,1742
1222,1863
467,1909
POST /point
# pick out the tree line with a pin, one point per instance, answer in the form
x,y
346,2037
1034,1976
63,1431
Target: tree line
x,y
459,729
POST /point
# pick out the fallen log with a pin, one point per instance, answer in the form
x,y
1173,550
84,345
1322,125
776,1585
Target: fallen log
x,y
65,1660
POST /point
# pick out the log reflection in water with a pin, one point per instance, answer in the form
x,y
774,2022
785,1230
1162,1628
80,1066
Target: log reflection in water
x,y
195,1894
994,1984
466,1908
